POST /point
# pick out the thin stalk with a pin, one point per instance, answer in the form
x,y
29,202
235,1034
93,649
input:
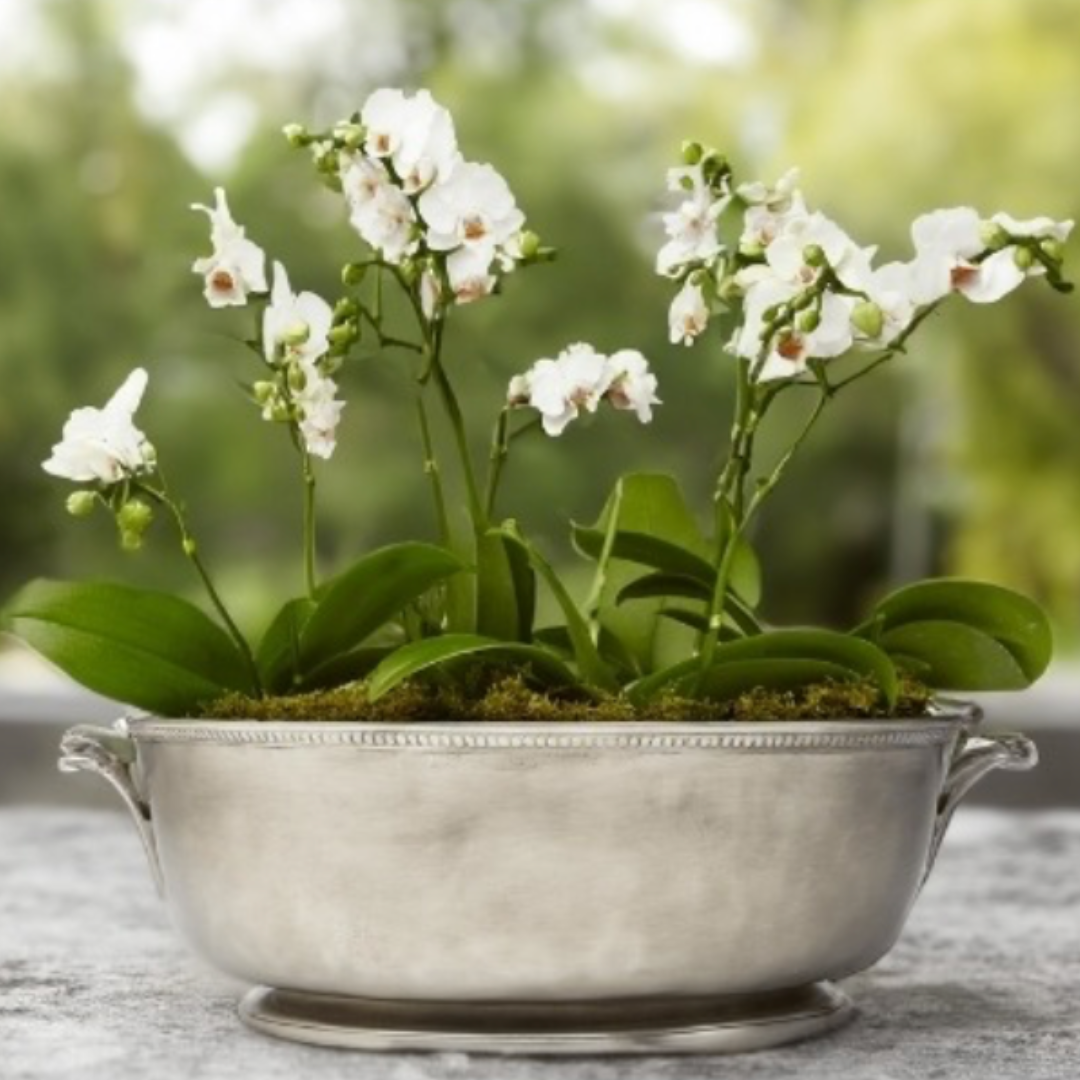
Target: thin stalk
x,y
191,550
500,448
310,580
431,468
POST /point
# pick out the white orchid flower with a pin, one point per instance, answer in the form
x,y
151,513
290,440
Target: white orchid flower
x,y
295,327
691,227
237,266
559,389
415,134
889,287
948,246
782,196
763,290
474,207
799,234
633,385
469,272
320,412
104,444
793,348
769,209
688,315
1037,228
387,222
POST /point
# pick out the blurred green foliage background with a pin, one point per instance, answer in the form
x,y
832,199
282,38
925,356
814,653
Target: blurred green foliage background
x,y
116,114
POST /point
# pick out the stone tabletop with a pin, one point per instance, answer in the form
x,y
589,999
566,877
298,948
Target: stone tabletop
x,y
985,982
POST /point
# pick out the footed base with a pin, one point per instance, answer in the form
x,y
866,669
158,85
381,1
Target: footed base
x,y
722,1025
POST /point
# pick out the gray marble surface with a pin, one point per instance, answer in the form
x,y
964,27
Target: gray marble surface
x,y
985,982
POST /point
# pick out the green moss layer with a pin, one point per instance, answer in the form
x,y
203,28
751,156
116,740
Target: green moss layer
x,y
510,699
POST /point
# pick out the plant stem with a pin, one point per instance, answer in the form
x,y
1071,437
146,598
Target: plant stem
x,y
309,523
191,550
431,468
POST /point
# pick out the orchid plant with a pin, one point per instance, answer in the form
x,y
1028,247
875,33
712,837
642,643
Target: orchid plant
x,y
672,609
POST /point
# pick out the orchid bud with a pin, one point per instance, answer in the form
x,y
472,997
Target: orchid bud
x,y
346,308
349,133
264,392
751,249
868,318
529,244
130,541
409,270
190,548
296,378
297,134
295,334
729,291
343,334
1053,249
1023,258
353,273
814,255
280,412
692,152
993,235
809,321
134,517
81,503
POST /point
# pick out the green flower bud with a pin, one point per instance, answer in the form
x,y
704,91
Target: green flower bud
x,y
280,412
343,334
81,503
131,541
1053,249
264,392
349,133
729,290
714,165
296,378
134,517
295,334
297,134
529,244
1023,258
809,321
814,255
345,309
993,235
410,271
331,180
353,273
331,363
868,318
692,152
751,249
190,547
774,313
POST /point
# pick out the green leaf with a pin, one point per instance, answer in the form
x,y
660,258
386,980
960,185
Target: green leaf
x,y
611,649
278,654
368,595
646,550
346,668
1010,619
663,585
650,505
955,656
591,666
420,656
148,649
792,656
505,589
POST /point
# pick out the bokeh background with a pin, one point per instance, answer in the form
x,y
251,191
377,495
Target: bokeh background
x,y
115,115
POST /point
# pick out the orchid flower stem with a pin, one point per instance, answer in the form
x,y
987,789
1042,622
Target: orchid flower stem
x,y
191,550
431,468
310,580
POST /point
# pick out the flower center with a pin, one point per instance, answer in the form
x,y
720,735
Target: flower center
x,y
790,346
382,144
222,281
963,275
474,228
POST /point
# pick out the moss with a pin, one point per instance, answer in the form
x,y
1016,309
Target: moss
x,y
510,698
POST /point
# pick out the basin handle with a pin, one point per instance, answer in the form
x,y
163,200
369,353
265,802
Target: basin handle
x,y
110,752
974,758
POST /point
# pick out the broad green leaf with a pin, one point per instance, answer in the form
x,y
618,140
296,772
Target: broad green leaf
x,y
346,668
728,680
420,656
369,594
793,651
591,666
505,589
676,585
646,550
644,504
278,654
955,656
1012,620
611,649
148,649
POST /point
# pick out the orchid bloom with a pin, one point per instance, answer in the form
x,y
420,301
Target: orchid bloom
x,y
688,315
295,326
104,445
415,134
379,210
692,227
320,412
236,267
580,378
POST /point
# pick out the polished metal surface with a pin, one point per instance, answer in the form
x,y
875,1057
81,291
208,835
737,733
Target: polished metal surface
x,y
727,1025
444,866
